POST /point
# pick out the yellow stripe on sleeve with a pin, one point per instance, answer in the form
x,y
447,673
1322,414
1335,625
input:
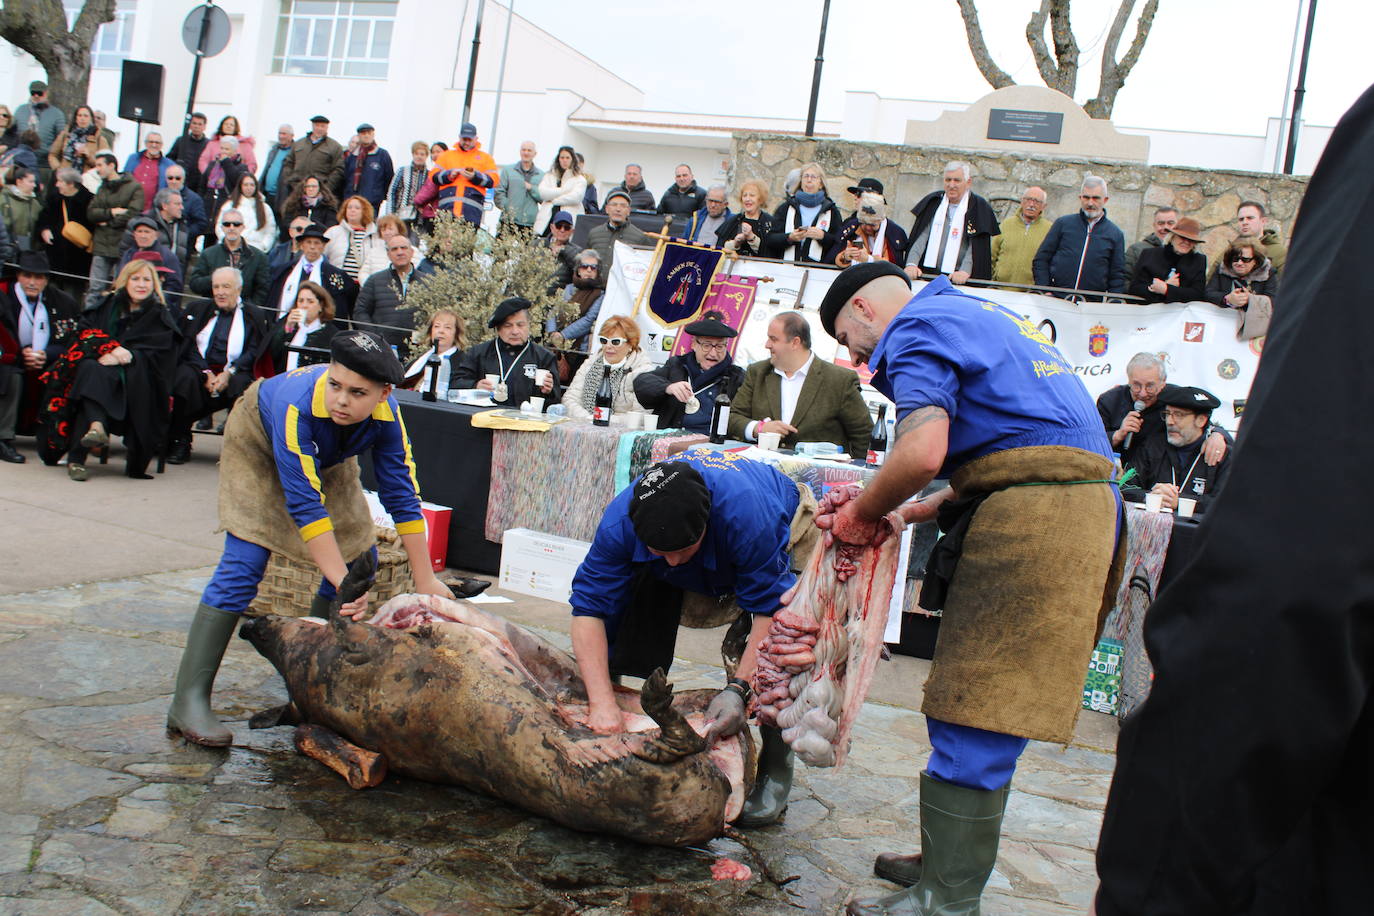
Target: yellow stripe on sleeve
x,y
317,528
293,443
415,527
410,459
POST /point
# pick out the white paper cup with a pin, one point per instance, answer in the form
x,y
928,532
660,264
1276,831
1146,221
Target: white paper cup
x,y
1154,502
650,421
1186,507
494,378
542,377
533,405
770,442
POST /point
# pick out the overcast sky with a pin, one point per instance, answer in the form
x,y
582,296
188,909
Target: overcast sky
x,y
1209,65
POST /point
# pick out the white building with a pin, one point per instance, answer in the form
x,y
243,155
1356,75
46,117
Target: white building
x,y
402,65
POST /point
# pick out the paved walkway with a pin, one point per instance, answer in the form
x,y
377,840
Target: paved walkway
x,y
103,813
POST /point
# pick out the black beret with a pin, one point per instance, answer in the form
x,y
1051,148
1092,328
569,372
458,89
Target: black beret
x,y
669,506
1197,400
313,231
367,354
710,327
507,308
319,119
849,282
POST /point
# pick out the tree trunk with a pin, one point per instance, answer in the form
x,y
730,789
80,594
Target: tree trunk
x,y
1059,71
40,28
1114,72
994,74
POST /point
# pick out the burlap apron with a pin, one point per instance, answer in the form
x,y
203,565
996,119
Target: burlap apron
x,y
1037,577
252,504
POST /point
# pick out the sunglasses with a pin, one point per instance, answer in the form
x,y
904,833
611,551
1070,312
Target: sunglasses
x,y
1242,258
230,223
610,341
586,267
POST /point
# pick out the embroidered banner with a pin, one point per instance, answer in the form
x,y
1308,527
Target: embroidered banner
x,y
680,282
734,298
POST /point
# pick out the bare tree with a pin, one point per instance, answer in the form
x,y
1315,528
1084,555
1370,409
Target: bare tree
x,y
40,28
1059,68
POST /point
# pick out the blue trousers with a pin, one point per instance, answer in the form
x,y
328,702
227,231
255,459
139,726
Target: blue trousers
x,y
235,582
971,757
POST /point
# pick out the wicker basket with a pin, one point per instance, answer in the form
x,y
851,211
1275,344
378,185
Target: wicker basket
x,y
289,585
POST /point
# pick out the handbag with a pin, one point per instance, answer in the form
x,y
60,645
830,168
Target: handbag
x,y
76,233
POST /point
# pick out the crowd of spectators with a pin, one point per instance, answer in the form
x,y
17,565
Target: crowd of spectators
x,y
253,257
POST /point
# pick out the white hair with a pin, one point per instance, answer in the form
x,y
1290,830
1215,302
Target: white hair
x,y
233,271
231,140
1095,181
958,166
1147,361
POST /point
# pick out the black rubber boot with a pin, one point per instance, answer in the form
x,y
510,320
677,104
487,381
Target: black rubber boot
x,y
190,714
906,869
766,804
319,606
960,830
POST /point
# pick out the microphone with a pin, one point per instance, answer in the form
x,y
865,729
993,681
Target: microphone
x,y
1126,445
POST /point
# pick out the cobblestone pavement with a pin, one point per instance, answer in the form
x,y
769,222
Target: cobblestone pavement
x,y
102,813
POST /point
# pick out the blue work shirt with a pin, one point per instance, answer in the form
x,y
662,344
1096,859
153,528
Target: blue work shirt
x,y
305,439
744,551
1002,382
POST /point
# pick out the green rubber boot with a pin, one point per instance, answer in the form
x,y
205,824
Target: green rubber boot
x,y
960,830
766,804
906,869
190,714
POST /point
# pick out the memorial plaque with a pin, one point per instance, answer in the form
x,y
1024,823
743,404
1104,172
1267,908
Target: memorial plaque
x,y
1033,126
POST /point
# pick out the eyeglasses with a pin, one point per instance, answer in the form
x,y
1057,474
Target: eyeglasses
x,y
176,177
228,224
586,267
1147,387
1242,258
1176,415
711,347
610,341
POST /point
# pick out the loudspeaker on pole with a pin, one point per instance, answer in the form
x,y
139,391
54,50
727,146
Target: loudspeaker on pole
x,y
140,92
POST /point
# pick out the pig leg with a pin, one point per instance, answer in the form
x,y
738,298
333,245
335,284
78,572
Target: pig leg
x,y
362,768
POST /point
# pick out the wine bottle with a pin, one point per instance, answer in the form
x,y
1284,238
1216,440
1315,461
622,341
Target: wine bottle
x,y
720,416
877,440
601,412
431,364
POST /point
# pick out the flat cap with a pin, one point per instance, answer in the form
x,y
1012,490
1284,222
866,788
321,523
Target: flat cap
x,y
849,282
364,126
614,193
367,354
38,86
670,506
507,308
319,119
1198,400
139,221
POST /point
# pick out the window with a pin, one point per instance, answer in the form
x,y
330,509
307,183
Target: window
x,y
335,37
113,39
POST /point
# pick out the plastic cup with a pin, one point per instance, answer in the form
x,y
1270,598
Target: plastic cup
x,y
650,421
533,405
542,377
1186,507
455,395
494,378
770,442
1154,502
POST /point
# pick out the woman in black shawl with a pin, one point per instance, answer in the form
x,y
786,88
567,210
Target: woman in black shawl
x,y
115,378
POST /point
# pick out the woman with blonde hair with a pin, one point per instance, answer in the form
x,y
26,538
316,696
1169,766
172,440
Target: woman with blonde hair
x,y
447,338
116,378
744,233
562,187
349,244
806,224
619,351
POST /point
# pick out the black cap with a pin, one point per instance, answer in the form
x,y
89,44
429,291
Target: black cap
x,y
507,308
367,354
313,231
319,119
670,506
468,131
867,184
34,262
37,86
710,327
138,221
1197,400
364,126
849,282
614,193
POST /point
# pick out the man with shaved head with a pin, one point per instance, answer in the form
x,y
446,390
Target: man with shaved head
x,y
1030,521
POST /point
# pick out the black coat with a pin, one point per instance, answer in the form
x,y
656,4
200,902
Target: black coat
x,y
1263,281
342,288
897,241
763,224
682,203
1159,462
1242,784
63,255
64,314
154,338
481,360
193,319
810,250
980,225
278,340
1158,263
186,152
651,388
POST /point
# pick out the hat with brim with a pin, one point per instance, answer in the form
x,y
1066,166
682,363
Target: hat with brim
x,y
507,308
1198,400
562,216
34,262
670,506
867,184
152,257
319,119
367,354
313,231
1188,228
38,86
141,222
365,126
710,327
614,193
848,283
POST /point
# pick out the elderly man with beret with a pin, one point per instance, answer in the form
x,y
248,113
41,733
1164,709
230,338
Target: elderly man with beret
x,y
1027,563
521,367
1174,465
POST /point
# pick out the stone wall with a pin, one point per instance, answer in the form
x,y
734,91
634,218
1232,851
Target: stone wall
x,y
909,173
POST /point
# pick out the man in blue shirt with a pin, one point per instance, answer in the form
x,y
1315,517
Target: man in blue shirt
x,y
288,452
1030,520
708,522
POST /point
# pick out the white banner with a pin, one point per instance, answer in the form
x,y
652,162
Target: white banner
x,y
1197,340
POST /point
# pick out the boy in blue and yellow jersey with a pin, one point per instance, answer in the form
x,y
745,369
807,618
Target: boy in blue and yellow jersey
x,y
289,452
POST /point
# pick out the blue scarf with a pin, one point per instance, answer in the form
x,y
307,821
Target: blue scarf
x,y
810,199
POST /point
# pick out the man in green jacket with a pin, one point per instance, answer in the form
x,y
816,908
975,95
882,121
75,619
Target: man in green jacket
x,y
1022,233
119,200
517,193
233,251
803,398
